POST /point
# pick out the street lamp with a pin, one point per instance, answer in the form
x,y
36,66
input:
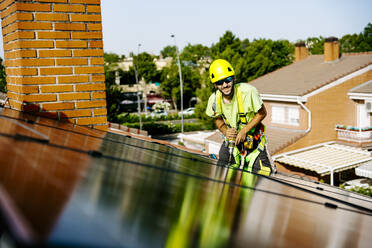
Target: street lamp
x,y
138,98
181,83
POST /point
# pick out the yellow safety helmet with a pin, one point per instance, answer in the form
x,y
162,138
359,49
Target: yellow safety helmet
x,y
220,69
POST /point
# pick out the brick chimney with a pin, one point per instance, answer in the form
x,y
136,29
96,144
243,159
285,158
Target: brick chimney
x,y
331,49
301,51
54,59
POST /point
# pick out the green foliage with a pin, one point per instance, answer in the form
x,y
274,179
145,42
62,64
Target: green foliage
x,y
111,58
157,128
125,118
349,43
203,95
360,190
154,128
112,101
168,51
112,94
227,47
170,85
315,45
263,56
146,67
355,43
250,59
361,42
127,77
195,53
2,77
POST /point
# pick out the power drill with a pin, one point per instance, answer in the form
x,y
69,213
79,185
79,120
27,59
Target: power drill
x,y
231,146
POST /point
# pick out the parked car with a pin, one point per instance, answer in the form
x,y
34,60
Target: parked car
x,y
158,113
189,111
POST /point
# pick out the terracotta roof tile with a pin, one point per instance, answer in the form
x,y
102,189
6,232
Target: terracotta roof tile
x,y
303,77
278,138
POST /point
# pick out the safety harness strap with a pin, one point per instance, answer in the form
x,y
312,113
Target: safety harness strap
x,y
258,132
242,115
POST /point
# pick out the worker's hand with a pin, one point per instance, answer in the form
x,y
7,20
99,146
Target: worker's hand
x,y
231,133
241,136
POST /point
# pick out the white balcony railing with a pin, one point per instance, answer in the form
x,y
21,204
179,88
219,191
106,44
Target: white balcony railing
x,y
354,134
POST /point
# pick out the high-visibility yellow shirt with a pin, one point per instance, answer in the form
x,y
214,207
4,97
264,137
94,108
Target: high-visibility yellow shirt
x,y
252,103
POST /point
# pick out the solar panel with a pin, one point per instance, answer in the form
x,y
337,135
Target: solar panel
x,y
65,185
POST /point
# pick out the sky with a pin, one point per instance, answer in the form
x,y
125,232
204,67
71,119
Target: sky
x,y
128,23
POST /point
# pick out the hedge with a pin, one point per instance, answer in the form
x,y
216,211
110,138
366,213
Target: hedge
x,y
155,128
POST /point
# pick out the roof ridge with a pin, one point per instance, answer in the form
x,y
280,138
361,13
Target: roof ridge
x,y
357,53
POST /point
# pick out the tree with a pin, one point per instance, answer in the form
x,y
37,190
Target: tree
x,y
170,84
146,67
111,58
195,53
349,43
367,38
361,42
228,42
315,45
127,77
263,56
168,51
113,93
203,95
2,77
249,59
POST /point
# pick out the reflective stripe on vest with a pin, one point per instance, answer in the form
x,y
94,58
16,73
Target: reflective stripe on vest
x,y
242,115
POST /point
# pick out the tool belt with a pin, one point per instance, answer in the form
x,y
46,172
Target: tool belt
x,y
253,139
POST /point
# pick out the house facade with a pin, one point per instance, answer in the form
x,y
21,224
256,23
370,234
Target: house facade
x,y
318,95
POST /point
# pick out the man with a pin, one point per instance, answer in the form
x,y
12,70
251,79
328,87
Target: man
x,y
238,111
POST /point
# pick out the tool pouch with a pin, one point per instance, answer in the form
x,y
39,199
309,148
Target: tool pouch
x,y
248,143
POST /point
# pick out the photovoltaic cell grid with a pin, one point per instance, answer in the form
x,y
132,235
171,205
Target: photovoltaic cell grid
x,y
64,185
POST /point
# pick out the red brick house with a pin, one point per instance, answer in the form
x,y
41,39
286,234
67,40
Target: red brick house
x,y
310,98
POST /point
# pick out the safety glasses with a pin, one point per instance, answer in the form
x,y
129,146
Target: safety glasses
x,y
225,80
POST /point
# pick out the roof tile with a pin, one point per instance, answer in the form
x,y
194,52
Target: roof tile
x,y
303,77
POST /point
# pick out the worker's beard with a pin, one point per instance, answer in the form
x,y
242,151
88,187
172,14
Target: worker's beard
x,y
230,94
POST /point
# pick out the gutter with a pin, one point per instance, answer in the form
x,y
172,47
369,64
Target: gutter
x,y
287,98
360,96
308,112
282,98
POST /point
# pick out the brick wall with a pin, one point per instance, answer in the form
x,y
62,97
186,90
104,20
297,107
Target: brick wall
x,y
53,54
328,108
331,49
301,51
303,115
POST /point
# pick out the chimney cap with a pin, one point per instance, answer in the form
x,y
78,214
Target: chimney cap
x,y
300,44
331,39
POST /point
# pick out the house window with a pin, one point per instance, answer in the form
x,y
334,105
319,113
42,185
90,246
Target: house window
x,y
287,115
278,115
293,116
